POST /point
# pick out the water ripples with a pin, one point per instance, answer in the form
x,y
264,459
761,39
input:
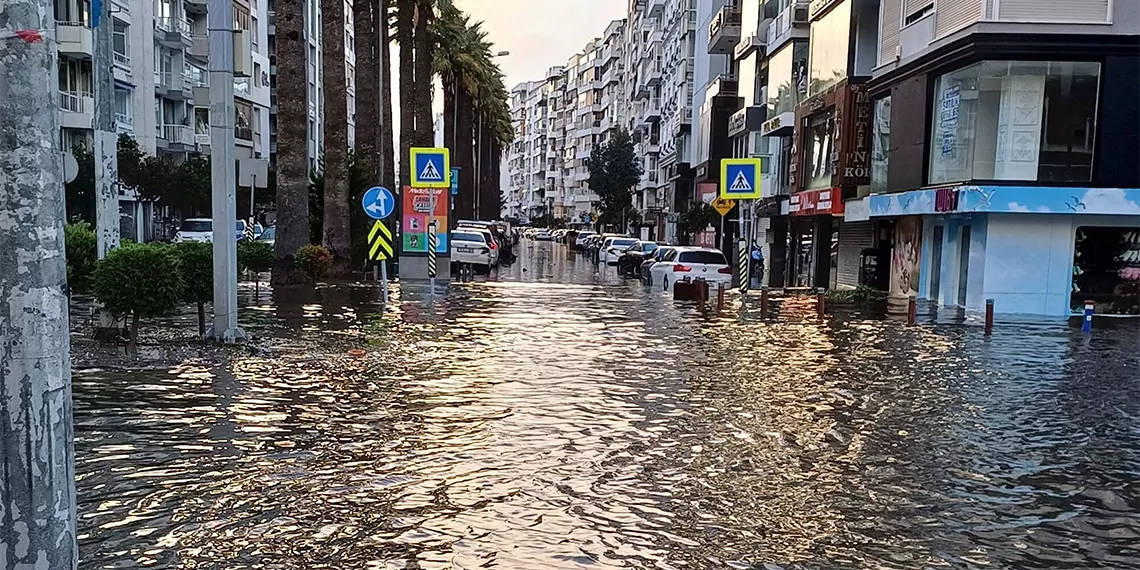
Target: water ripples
x,y
560,418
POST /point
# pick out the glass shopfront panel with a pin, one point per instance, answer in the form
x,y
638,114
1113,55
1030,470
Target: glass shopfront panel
x,y
830,48
1015,120
787,78
819,145
880,144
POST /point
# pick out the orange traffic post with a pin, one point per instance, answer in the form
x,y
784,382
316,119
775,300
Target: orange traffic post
x,y
763,302
820,303
911,311
989,317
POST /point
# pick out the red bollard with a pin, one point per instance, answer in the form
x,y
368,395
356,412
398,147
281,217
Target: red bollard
x,y
763,302
911,311
989,317
720,298
820,301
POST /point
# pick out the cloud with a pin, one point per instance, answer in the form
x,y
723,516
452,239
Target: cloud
x,y
1110,201
1015,207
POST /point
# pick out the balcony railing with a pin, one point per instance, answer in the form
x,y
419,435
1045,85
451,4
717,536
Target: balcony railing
x,y
74,101
178,134
123,119
123,60
243,133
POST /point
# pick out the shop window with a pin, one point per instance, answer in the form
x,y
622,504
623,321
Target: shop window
x,y
1106,270
830,48
787,78
880,145
1015,120
819,145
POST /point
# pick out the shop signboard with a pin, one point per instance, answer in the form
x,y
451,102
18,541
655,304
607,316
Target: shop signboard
x,y
816,203
946,200
418,203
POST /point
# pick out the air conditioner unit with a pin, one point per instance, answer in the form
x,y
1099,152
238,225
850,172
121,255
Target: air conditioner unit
x,y
800,15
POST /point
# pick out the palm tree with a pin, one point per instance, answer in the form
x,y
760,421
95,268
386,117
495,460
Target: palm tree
x,y
335,236
405,20
387,129
292,135
365,16
425,45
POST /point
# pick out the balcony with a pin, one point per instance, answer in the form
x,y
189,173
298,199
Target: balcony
x,y
724,30
243,134
654,8
173,33
122,68
124,123
176,137
749,45
196,5
791,23
723,85
653,110
199,48
74,39
77,110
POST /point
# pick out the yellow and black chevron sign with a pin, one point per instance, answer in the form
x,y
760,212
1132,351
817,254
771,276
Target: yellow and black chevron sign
x,y
379,242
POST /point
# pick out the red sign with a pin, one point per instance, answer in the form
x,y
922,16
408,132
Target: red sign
x,y
946,200
816,202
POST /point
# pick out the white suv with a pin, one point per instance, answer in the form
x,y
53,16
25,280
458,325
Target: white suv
x,y
692,263
195,229
612,248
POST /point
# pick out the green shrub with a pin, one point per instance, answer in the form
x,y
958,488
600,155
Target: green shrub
x,y
255,256
196,260
314,261
81,246
139,280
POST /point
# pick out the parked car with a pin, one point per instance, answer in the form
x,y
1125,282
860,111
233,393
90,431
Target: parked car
x,y
580,241
612,249
692,263
195,229
542,235
629,262
489,239
470,245
647,264
558,235
269,235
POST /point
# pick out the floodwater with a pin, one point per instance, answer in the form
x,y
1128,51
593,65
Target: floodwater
x,y
555,418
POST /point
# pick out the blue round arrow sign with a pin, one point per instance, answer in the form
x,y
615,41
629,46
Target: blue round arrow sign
x,y
379,203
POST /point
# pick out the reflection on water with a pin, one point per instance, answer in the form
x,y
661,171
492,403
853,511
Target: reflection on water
x,y
554,417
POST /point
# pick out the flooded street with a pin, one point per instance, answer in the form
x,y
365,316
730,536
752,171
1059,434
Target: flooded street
x,y
556,418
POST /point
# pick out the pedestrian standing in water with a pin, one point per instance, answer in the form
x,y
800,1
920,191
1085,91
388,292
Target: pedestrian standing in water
x,y
757,263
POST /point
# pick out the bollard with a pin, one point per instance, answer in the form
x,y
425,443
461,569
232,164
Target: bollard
x,y
763,302
989,317
911,311
720,297
820,303
1090,308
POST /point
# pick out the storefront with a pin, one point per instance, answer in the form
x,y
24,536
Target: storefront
x,y
1033,250
813,245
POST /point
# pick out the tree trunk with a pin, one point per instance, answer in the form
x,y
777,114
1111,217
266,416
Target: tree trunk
x,y
495,168
425,45
404,34
462,156
335,235
292,135
365,17
449,85
133,343
201,319
387,158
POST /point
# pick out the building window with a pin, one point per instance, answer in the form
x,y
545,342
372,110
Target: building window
x,y
1015,120
787,78
830,46
819,145
880,144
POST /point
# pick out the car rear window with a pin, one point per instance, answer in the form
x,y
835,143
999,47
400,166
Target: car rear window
x,y
648,247
623,242
468,236
197,226
705,257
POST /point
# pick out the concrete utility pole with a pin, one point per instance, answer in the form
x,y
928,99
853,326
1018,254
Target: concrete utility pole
x,y
223,179
37,454
106,140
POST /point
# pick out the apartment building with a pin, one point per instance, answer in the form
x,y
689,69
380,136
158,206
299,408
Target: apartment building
x,y
526,158
674,167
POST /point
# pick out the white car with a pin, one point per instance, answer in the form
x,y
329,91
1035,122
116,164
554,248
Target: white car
x,y
488,238
542,235
580,241
469,245
612,249
692,263
195,229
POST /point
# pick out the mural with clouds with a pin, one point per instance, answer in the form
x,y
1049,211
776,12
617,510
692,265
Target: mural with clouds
x,y
1014,199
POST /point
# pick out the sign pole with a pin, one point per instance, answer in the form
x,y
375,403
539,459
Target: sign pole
x,y
431,241
384,280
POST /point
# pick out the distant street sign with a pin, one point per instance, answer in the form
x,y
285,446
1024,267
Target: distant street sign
x,y
454,181
379,242
740,178
431,167
378,202
723,206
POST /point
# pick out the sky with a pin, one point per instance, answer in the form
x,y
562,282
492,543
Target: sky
x,y
541,33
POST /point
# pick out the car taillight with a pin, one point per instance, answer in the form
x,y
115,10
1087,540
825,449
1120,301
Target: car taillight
x,y
726,271
493,246
678,268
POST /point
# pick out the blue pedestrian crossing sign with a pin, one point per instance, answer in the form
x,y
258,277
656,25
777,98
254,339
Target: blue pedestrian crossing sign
x,y
740,178
378,202
431,167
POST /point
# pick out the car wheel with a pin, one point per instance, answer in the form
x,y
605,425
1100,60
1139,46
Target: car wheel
x,y
665,283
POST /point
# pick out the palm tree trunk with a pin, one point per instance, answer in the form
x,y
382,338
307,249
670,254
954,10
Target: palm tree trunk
x,y
463,158
387,159
292,135
365,17
493,178
449,85
335,236
404,37
425,45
